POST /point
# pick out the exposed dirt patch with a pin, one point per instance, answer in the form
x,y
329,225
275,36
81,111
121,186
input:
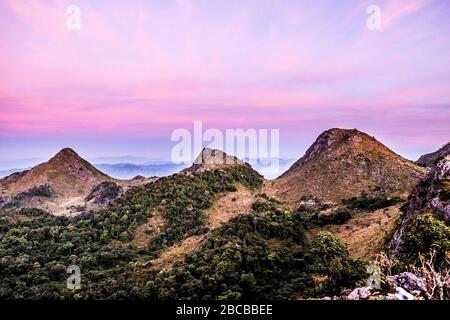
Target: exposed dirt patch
x,y
365,232
226,207
147,231
177,252
270,189
229,206
144,233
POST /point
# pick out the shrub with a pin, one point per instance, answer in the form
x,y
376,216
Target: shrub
x,y
427,235
437,160
370,204
444,194
335,263
40,191
328,246
340,216
259,206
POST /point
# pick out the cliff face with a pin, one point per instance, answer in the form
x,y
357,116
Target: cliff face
x,y
432,194
430,160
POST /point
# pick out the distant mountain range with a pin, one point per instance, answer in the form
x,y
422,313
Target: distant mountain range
x,y
124,170
340,164
129,170
5,173
158,168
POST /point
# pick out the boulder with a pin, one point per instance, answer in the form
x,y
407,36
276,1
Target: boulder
x,y
407,281
362,293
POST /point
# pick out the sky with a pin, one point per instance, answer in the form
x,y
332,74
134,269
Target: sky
x,y
137,70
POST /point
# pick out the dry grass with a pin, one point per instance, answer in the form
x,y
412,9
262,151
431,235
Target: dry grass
x,y
229,206
177,252
147,231
365,232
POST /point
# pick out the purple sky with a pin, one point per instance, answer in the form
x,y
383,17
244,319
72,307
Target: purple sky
x,y
137,70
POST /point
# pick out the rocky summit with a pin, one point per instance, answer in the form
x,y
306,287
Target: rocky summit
x,y
211,159
431,159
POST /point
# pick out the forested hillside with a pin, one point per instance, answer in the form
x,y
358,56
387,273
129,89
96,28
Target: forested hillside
x,y
262,254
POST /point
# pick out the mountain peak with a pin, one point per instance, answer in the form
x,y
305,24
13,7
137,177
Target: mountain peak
x,y
431,159
67,161
346,135
331,140
65,154
211,159
343,163
69,176
67,150
215,156
336,131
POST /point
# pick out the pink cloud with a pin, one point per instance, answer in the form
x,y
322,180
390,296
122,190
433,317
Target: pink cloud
x,y
395,10
143,68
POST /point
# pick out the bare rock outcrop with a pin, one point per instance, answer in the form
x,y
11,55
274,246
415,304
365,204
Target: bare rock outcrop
x,y
431,194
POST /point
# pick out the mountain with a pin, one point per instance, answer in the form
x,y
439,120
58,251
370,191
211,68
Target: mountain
x,y
123,159
212,222
129,170
215,230
8,164
5,173
67,174
432,195
344,163
126,170
212,159
59,186
431,159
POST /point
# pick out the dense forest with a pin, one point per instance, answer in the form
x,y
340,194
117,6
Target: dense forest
x,y
262,254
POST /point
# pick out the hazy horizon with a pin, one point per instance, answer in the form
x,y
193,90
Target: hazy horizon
x,y
128,167
141,158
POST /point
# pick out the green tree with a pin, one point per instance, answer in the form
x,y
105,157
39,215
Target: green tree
x,y
428,235
335,262
329,246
